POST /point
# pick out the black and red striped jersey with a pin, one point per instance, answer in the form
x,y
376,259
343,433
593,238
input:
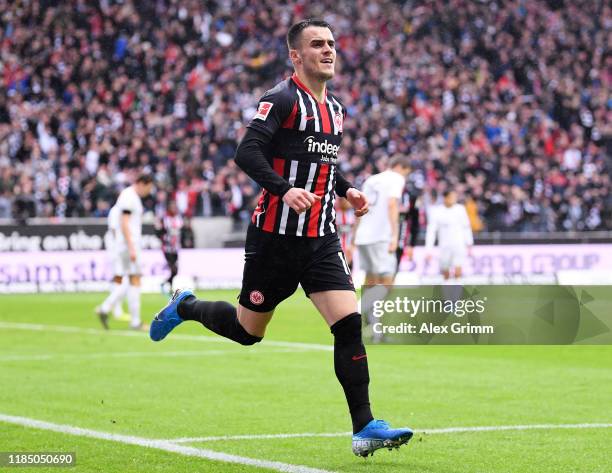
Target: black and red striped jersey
x,y
169,231
305,138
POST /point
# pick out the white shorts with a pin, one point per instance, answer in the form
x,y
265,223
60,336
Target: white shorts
x,y
452,257
375,259
123,266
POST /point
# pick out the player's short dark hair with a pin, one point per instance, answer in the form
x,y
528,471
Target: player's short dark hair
x,y
294,33
144,178
447,192
402,161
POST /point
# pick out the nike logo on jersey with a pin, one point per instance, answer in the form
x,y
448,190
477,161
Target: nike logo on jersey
x,y
356,358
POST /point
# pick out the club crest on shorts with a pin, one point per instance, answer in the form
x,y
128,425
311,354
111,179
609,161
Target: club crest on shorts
x,y
338,121
263,110
256,297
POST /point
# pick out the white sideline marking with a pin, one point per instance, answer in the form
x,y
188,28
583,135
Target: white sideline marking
x,y
447,430
130,354
159,445
132,333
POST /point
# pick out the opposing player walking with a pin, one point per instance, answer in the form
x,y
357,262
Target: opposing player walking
x,y
168,229
291,149
450,225
127,250
377,233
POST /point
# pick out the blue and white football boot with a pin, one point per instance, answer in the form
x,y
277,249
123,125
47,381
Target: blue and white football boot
x,y
377,434
168,318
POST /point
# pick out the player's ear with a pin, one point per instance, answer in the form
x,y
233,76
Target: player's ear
x,y
295,57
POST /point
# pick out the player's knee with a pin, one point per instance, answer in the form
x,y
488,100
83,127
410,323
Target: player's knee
x,y
348,329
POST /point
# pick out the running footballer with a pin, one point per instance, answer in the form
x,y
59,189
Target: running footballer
x,y
291,150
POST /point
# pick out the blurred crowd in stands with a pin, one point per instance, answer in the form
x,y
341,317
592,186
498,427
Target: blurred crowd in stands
x,y
507,101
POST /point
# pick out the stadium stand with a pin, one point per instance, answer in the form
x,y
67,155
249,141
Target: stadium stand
x,y
508,102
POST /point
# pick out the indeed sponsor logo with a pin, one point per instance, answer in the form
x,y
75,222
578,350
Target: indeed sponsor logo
x,y
323,147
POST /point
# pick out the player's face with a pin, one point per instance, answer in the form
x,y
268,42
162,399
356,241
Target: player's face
x,y
450,199
317,52
143,190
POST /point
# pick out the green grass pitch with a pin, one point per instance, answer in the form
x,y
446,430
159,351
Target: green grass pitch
x,y
194,385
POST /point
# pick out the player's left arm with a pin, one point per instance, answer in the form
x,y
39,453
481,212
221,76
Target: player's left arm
x,y
127,233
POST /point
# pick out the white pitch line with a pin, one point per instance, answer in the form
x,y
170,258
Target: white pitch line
x,y
132,333
159,445
133,354
447,430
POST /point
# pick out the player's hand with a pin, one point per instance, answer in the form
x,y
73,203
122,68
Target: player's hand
x,y
358,200
392,246
132,252
300,200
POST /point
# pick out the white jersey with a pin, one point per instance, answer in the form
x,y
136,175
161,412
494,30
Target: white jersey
x,y
113,220
451,227
375,226
129,203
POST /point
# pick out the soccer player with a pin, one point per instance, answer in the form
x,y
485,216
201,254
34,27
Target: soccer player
x,y
129,205
169,229
377,233
291,149
450,225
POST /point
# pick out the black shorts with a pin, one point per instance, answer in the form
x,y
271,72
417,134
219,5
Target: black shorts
x,y
171,258
276,264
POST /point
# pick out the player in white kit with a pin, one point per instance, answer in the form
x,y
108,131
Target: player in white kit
x,y
450,225
127,247
377,231
377,235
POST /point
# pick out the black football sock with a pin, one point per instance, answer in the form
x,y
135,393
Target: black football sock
x,y
351,366
220,317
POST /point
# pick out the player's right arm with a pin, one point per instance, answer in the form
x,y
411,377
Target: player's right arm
x,y
125,207
274,107
393,209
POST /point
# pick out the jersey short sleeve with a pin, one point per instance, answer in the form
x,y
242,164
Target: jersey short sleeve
x,y
396,188
273,109
126,202
113,218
